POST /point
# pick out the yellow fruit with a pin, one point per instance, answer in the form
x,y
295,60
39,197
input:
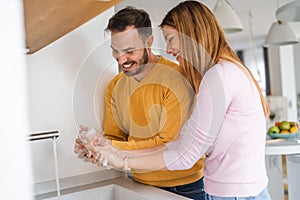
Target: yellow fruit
x,y
284,132
293,129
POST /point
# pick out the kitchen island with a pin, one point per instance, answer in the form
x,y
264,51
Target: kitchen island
x,y
274,151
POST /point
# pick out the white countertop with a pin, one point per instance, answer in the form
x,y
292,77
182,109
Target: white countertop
x,y
285,147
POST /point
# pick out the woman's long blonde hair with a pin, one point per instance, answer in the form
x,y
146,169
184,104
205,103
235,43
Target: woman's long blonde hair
x,y
196,23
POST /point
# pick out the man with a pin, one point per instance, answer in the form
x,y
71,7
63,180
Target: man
x,y
147,103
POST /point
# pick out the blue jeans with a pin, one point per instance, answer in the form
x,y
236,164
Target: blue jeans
x,y
264,195
192,190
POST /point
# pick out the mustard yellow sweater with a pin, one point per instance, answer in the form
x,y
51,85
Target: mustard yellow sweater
x,y
148,113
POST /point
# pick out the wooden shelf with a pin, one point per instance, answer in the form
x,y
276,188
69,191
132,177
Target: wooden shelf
x,y
48,20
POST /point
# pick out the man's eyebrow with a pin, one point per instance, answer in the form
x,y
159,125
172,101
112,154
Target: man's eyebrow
x,y
123,50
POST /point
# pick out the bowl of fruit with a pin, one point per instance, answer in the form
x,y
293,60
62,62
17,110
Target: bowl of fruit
x,y
283,129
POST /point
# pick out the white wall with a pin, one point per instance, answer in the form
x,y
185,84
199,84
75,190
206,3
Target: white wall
x,y
282,68
63,89
297,66
288,79
151,7
15,168
297,74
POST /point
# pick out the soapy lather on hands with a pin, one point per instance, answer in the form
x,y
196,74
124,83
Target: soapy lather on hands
x,y
92,146
84,148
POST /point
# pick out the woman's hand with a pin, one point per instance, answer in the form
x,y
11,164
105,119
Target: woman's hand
x,y
106,154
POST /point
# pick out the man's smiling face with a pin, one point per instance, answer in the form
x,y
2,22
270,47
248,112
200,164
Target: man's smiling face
x,y
129,50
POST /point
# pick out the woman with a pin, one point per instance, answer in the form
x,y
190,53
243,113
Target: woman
x,y
228,121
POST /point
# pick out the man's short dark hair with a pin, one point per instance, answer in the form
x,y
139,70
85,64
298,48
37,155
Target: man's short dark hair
x,y
131,16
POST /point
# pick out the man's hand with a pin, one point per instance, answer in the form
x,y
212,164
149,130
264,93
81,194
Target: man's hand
x,y
86,135
82,152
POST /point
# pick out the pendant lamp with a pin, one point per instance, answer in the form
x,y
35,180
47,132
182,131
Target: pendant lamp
x,y
227,17
279,34
289,12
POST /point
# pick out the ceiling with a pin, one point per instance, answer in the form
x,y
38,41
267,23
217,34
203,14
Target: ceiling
x,y
262,11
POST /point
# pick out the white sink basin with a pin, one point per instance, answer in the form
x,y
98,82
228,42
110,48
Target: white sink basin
x,y
108,192
120,188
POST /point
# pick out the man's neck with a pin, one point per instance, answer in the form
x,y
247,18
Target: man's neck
x,y
152,60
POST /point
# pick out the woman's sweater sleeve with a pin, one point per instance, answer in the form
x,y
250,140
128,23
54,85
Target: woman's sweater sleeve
x,y
201,130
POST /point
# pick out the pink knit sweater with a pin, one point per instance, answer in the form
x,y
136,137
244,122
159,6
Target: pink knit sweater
x,y
228,126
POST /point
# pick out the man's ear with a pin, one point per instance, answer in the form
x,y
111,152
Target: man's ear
x,y
149,41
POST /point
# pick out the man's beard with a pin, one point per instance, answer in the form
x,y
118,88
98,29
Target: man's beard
x,y
143,62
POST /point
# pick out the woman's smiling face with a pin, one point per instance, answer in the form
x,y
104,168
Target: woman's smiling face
x,y
171,36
